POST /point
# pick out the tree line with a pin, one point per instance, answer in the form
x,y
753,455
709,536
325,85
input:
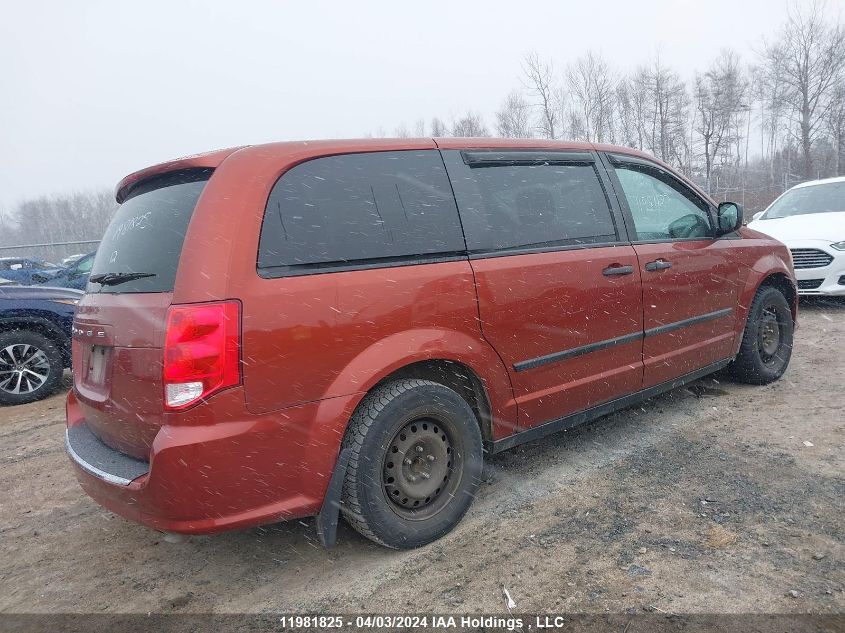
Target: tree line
x,y
71,217
792,91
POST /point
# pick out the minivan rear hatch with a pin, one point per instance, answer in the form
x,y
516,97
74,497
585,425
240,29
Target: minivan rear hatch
x,y
118,334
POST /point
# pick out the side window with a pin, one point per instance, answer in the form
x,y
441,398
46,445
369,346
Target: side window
x,y
354,208
661,206
525,204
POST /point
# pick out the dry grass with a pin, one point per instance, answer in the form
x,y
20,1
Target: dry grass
x,y
718,537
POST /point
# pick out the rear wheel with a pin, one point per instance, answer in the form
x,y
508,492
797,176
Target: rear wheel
x,y
767,340
30,366
415,464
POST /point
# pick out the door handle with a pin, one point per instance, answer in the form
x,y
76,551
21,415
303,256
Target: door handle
x,y
616,269
658,264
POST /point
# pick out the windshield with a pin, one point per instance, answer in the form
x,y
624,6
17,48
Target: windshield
x,y
825,198
144,240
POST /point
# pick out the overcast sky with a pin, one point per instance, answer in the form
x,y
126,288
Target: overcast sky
x,y
92,90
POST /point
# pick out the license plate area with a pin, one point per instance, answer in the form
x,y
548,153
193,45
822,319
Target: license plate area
x,y
97,361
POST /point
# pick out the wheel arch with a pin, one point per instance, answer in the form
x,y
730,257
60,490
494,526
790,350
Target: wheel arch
x,y
771,271
782,282
44,327
460,378
462,362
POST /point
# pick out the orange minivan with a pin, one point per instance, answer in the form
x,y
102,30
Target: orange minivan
x,y
348,327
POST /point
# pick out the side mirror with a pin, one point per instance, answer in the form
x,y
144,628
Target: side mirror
x,y
757,215
729,217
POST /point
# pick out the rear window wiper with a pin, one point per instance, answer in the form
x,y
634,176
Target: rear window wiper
x,y
112,279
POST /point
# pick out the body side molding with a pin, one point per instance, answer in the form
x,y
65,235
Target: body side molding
x,y
576,419
669,327
576,351
555,357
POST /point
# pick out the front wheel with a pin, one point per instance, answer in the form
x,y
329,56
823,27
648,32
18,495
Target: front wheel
x,y
415,464
767,340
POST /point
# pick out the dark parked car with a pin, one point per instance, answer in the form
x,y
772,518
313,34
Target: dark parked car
x,y
71,259
35,335
27,270
298,329
74,276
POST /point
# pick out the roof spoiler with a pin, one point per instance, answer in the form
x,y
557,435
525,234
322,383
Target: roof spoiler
x,y
207,160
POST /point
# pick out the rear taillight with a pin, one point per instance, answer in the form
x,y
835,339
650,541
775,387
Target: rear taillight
x,y
201,352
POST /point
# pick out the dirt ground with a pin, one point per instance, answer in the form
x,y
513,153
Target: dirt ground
x,y
716,498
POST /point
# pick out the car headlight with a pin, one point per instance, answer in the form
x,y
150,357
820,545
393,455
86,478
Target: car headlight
x,y
840,246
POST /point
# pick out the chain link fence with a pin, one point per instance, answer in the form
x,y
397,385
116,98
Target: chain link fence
x,y
53,252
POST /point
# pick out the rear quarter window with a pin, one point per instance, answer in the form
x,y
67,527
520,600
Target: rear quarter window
x,y
354,209
147,232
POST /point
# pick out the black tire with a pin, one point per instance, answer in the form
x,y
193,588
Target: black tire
x,y
767,340
42,357
386,496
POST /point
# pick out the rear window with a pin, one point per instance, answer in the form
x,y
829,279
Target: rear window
x,y
357,209
147,233
525,203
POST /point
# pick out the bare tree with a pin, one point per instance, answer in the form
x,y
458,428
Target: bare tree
x,y
402,131
575,126
60,218
438,128
719,99
513,119
7,230
539,79
630,101
419,128
471,124
813,57
661,111
769,88
592,92
836,126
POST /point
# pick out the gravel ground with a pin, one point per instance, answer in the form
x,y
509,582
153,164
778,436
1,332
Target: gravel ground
x,y
708,499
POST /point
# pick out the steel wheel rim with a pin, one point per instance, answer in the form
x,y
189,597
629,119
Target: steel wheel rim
x,y
769,334
422,468
24,369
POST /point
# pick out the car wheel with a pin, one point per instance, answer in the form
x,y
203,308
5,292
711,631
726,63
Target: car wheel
x,y
30,366
415,463
767,340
